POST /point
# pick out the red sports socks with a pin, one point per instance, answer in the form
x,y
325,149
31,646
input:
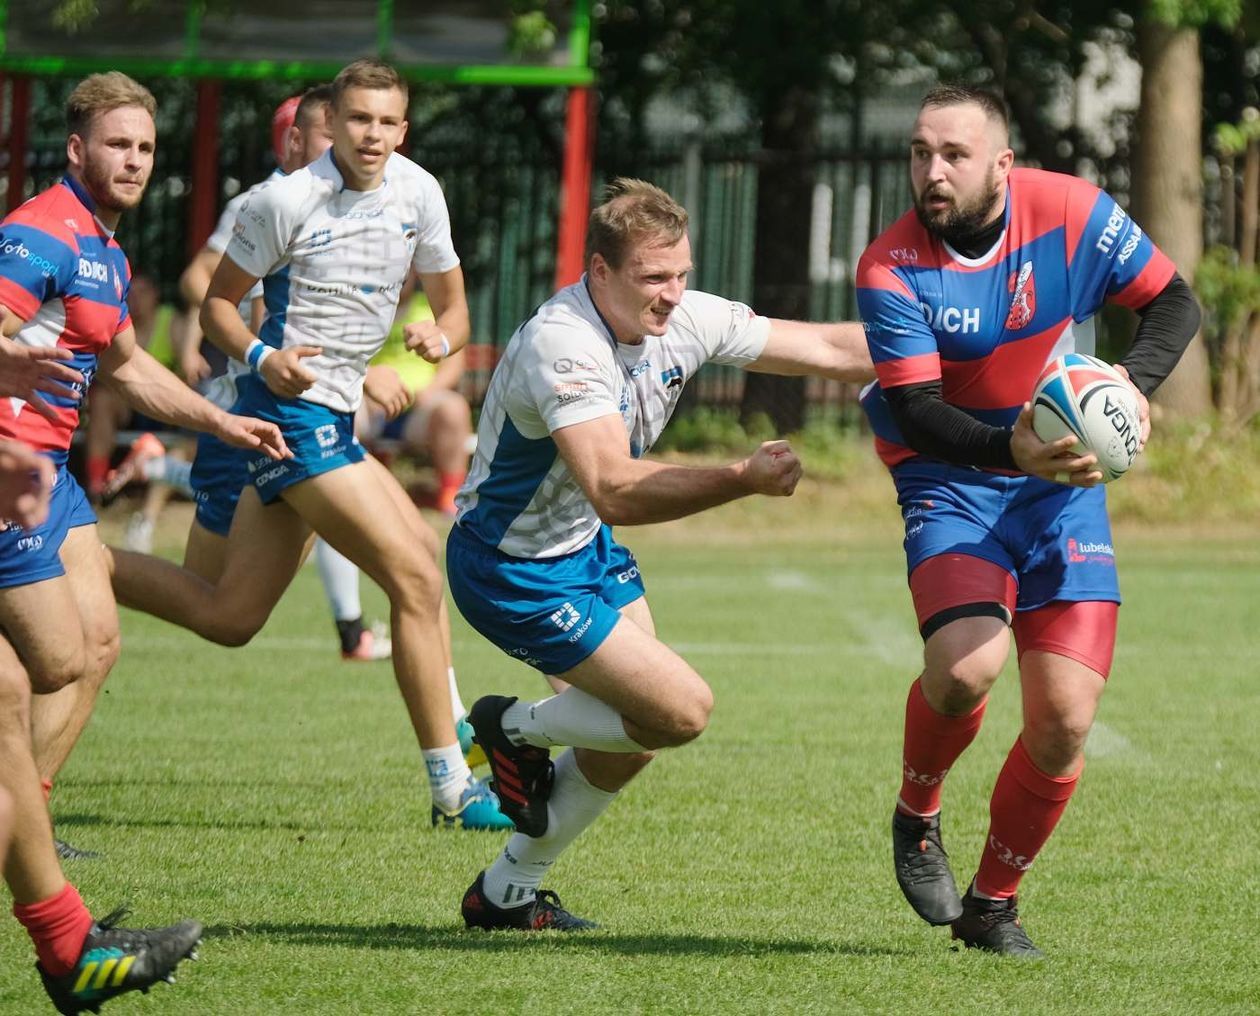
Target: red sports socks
x,y
1025,807
933,742
58,926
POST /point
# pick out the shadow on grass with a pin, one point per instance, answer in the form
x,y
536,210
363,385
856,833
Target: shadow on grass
x,y
419,936
85,820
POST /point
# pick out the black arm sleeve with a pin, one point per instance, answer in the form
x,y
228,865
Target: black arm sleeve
x,y
931,426
1168,324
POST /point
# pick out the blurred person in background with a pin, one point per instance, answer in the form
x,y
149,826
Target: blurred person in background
x,y
438,425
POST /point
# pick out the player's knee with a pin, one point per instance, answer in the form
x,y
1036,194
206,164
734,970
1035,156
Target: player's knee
x,y
689,716
55,670
234,630
103,649
957,685
1054,742
414,581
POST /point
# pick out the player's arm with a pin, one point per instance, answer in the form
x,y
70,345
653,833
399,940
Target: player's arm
x,y
837,351
448,332
281,369
1166,326
384,387
628,492
149,387
194,281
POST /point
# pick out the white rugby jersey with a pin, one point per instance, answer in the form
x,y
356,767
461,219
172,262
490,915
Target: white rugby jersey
x,y
564,366
333,261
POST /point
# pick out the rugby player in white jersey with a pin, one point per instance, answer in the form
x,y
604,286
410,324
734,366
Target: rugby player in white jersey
x,y
300,135
332,244
582,391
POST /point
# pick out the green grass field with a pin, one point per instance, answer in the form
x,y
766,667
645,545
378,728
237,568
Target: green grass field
x,y
276,794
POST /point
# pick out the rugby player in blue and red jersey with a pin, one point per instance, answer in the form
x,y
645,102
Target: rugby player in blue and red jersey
x,y
995,272
63,284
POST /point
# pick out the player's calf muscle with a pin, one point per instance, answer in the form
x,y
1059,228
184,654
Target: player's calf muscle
x,y
15,706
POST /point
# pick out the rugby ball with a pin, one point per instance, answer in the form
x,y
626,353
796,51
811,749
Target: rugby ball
x,y
1093,402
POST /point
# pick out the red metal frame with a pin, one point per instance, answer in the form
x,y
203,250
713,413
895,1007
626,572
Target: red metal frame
x,y
203,204
19,130
575,185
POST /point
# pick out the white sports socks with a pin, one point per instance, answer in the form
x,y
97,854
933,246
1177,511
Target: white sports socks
x,y
457,704
448,775
515,876
341,582
571,718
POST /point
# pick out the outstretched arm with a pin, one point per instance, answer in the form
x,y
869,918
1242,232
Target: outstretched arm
x,y
155,391
837,351
628,492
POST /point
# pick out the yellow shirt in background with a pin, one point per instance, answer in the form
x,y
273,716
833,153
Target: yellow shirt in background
x,y
415,371
160,346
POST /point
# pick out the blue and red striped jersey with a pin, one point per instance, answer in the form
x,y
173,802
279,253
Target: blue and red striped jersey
x,y
985,327
65,276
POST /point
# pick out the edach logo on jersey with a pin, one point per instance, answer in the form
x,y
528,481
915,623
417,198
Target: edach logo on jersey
x,y
952,319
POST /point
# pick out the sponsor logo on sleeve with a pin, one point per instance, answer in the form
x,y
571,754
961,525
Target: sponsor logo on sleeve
x,y
1111,231
571,391
16,248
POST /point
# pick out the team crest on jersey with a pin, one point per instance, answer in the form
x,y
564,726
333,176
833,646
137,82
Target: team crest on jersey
x,y
117,284
1023,297
672,378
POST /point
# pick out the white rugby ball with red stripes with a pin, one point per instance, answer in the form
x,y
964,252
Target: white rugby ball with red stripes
x,y
1092,401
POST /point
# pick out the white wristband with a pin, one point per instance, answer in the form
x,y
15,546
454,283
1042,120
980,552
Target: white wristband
x,y
446,347
255,353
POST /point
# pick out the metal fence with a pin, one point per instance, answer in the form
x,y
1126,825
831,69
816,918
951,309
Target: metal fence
x,y
497,154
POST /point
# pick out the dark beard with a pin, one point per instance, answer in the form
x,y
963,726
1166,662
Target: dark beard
x,y
962,227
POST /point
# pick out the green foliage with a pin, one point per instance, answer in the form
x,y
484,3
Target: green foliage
x,y
1196,13
530,33
830,449
1191,473
1230,291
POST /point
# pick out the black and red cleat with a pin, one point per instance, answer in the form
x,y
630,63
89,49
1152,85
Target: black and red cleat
x,y
521,775
994,926
922,868
543,913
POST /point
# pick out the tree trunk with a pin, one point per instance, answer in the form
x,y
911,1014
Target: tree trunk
x,y
785,187
1168,181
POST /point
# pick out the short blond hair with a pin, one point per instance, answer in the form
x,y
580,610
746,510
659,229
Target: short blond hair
x,y
368,73
103,93
633,210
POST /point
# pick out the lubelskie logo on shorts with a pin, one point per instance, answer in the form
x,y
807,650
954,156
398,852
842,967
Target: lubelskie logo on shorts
x,y
1100,553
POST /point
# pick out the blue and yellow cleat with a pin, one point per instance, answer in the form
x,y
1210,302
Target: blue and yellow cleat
x,y
473,754
116,960
478,810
